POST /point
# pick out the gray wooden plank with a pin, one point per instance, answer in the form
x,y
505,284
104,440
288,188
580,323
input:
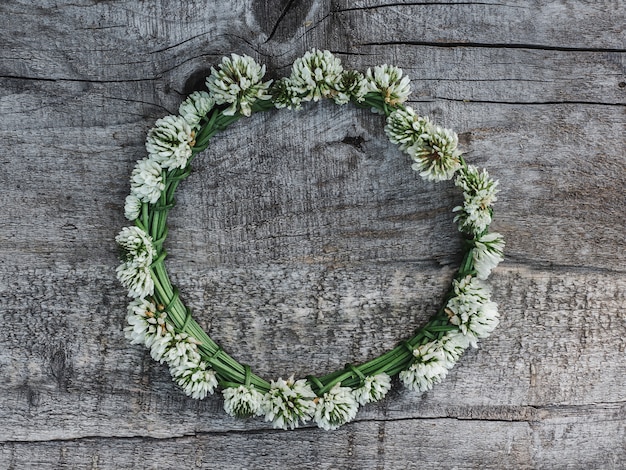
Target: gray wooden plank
x,y
69,373
339,201
501,75
112,41
505,24
130,41
562,440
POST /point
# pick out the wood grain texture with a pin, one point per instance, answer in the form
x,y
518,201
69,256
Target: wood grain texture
x,y
303,241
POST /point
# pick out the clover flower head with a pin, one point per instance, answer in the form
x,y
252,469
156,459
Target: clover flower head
x,y
471,309
454,343
315,75
373,389
182,352
389,82
163,334
243,401
351,85
169,142
137,279
197,381
195,107
136,246
430,366
238,81
288,402
405,128
144,323
435,154
479,194
132,207
146,181
160,345
469,294
483,323
137,254
488,252
336,407
284,95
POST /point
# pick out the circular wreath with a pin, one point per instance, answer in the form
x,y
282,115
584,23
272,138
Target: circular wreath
x,y
159,319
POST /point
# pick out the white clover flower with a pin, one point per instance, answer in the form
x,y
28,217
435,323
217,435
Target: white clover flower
x,y
389,82
285,96
195,107
243,401
482,325
469,294
137,253
479,193
487,253
144,324
169,142
146,181
405,128
336,407
435,154
237,81
132,207
374,388
136,246
137,279
182,351
454,344
288,402
149,327
315,75
197,381
139,329
473,220
160,345
351,85
430,366
472,310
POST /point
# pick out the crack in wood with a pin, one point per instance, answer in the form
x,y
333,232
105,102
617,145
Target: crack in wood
x,y
173,46
515,263
529,414
76,80
469,44
419,4
529,103
280,19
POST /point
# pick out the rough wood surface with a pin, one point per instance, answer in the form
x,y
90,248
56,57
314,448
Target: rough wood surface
x,y
303,241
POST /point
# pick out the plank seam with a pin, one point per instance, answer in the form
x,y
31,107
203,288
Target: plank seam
x,y
469,44
531,103
79,80
420,4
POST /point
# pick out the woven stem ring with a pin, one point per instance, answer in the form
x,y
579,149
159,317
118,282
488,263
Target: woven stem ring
x,y
157,316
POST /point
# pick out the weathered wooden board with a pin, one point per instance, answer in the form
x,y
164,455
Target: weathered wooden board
x,y
303,241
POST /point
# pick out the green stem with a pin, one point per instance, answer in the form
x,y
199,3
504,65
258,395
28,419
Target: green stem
x,y
228,369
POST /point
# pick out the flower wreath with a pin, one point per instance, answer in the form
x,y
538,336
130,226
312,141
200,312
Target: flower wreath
x,y
158,318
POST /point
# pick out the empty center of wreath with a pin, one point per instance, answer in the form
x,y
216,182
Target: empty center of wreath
x,y
300,230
